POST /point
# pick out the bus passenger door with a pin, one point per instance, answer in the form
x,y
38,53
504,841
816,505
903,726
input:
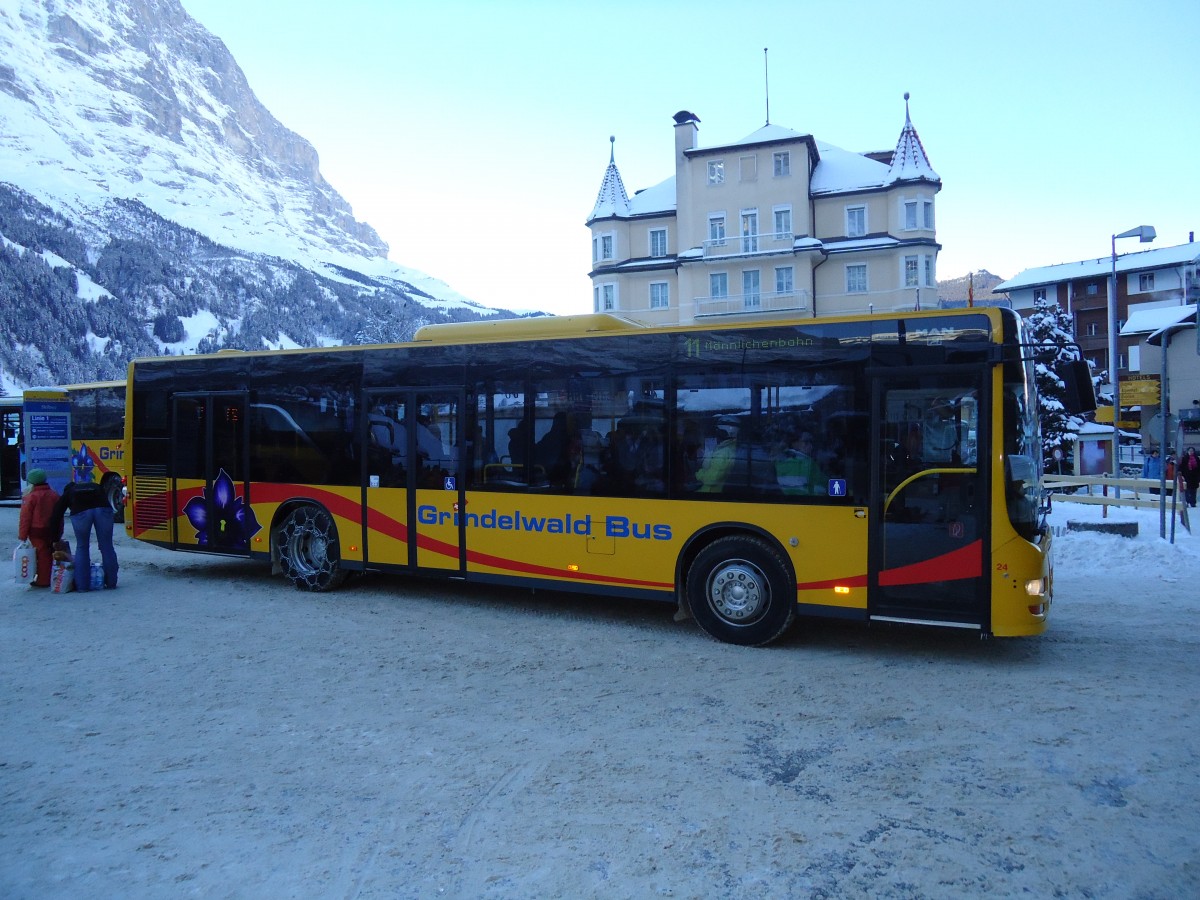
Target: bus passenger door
x,y
208,470
413,488
929,533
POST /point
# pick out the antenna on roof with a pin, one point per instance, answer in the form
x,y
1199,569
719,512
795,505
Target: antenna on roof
x,y
612,150
767,85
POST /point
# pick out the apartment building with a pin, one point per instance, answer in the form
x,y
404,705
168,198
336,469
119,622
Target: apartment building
x,y
1156,296
1163,277
776,224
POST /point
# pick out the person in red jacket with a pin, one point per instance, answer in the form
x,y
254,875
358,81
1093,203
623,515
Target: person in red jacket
x,y
36,524
1189,471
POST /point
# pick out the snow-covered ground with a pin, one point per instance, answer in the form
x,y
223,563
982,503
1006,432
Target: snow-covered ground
x,y
206,731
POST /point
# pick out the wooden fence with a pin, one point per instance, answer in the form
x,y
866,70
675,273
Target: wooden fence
x,y
1141,493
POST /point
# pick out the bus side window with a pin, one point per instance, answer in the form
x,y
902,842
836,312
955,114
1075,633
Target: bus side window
x,y
501,440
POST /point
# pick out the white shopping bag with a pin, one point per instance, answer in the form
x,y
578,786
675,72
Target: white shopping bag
x,y
25,563
62,577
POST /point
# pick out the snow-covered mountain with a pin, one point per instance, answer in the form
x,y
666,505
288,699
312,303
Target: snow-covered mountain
x,y
149,203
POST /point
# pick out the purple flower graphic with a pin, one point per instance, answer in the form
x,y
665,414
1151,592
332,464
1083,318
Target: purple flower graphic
x,y
234,522
82,464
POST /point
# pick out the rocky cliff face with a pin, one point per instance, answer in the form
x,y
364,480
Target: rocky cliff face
x,y
149,203
138,100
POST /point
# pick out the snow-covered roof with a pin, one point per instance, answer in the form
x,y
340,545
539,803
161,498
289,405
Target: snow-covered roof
x,y
871,243
1102,266
836,171
841,170
660,198
648,263
1147,321
611,200
768,133
909,162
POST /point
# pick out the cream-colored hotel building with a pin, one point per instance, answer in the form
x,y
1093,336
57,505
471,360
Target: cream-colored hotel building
x,y
778,224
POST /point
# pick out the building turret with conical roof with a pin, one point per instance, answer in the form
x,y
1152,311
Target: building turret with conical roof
x,y
612,199
909,162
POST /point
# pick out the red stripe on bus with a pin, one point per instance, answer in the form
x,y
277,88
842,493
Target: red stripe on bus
x,y
384,524
966,562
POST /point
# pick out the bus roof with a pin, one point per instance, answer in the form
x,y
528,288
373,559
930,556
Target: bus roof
x,y
90,385
537,327
552,327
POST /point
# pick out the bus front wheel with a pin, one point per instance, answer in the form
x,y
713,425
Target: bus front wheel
x,y
308,550
740,591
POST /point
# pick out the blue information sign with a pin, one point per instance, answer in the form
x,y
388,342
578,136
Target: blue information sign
x,y
47,431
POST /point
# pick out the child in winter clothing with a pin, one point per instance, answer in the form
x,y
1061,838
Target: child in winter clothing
x,y
36,524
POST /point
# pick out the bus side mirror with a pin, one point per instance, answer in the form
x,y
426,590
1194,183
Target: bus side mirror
x,y
1078,393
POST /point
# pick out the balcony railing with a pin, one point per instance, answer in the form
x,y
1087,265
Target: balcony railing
x,y
746,244
751,304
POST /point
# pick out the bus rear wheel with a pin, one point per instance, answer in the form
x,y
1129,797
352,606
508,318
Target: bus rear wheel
x,y
308,550
740,591
114,493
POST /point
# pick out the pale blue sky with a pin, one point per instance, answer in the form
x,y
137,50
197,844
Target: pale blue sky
x,y
473,135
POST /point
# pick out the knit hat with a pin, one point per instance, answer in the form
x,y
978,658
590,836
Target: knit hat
x,y
36,476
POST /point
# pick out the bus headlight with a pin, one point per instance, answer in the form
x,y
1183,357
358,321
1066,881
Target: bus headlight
x,y
1036,587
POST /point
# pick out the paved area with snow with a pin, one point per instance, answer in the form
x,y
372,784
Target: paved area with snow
x,y
207,731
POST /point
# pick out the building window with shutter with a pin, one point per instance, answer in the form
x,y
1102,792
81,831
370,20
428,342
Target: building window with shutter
x,y
856,221
605,296
751,290
716,229
660,296
718,284
784,283
783,223
856,279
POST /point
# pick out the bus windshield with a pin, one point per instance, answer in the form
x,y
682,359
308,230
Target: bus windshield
x,y
1022,442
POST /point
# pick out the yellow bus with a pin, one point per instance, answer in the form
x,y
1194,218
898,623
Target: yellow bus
x,y
876,468
11,476
97,439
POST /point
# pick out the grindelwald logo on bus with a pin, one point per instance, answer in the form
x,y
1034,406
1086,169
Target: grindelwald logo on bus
x,y
614,526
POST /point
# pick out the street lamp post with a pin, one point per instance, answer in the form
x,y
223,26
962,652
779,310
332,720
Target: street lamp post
x,y
1145,234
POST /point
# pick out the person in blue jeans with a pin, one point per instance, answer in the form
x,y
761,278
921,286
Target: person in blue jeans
x,y
89,509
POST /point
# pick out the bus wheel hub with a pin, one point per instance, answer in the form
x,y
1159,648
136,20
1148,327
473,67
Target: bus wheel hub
x,y
736,590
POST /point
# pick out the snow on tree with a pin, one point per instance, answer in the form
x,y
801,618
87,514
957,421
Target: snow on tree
x,y
1053,344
